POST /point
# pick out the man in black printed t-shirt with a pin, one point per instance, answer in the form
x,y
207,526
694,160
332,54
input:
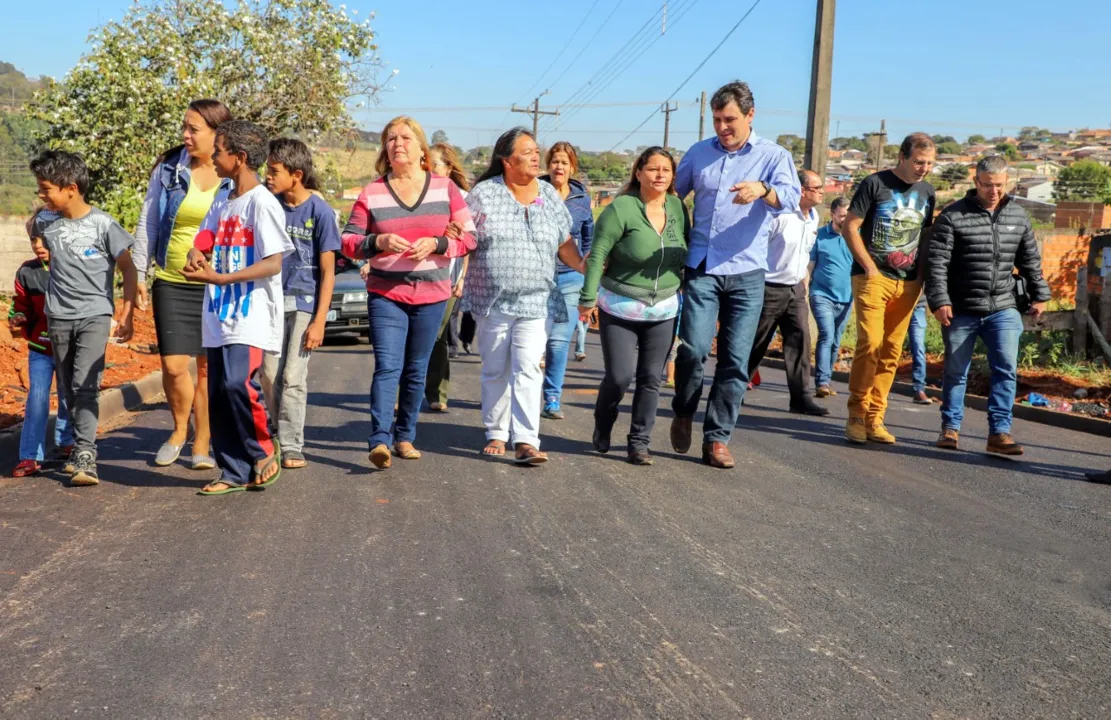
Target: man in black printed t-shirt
x,y
888,219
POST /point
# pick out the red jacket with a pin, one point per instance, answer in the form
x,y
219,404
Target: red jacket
x,y
31,282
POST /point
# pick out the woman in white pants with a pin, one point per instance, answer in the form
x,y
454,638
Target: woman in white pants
x,y
521,224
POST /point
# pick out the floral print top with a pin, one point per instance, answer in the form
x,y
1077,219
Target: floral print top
x,y
513,267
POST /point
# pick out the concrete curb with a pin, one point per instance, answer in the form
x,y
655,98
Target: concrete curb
x,y
113,403
1067,421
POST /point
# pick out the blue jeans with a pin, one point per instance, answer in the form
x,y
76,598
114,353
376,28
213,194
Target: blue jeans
x,y
582,327
916,335
559,340
403,336
1000,332
36,413
831,317
735,302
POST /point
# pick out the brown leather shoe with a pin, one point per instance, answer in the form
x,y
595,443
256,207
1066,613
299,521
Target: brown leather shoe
x,y
716,454
948,439
681,433
1003,444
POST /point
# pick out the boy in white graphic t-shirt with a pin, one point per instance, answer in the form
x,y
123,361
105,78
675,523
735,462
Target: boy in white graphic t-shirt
x,y
245,237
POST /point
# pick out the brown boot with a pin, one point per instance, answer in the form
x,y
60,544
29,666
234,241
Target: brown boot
x,y
716,454
948,439
1003,444
681,433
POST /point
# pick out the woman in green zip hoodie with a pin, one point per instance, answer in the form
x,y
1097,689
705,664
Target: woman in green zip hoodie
x,y
640,247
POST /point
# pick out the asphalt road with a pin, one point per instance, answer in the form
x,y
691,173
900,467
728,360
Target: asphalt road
x,y
817,579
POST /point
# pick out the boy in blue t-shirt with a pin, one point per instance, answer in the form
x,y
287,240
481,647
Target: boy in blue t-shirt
x,y
308,277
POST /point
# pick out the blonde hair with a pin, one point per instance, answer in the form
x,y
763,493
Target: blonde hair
x,y
382,164
451,158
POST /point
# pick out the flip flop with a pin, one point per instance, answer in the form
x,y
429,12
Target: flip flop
x,y
225,491
494,448
275,459
532,456
293,460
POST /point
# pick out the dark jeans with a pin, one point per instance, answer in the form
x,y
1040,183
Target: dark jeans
x,y
734,301
438,382
632,349
238,416
785,309
79,347
403,336
1000,332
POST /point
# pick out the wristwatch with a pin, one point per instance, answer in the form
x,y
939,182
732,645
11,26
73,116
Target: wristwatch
x,y
767,189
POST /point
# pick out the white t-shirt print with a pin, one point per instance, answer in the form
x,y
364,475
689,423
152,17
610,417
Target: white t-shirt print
x,y
242,232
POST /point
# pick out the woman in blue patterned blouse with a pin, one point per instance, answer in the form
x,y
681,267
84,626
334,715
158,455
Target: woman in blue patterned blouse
x,y
521,224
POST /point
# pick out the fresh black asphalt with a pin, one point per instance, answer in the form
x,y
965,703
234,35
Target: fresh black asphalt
x,y
816,579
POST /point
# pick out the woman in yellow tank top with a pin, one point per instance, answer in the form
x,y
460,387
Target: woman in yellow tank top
x,y
182,188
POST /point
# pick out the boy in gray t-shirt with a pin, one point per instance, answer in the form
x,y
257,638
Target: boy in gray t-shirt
x,y
85,245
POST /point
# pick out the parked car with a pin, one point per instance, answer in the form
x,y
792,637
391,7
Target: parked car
x,y
347,313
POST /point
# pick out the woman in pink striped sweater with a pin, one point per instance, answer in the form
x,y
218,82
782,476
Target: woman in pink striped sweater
x,y
400,223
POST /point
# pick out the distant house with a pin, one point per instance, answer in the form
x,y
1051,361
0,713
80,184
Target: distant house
x,y
853,155
1093,135
1035,188
979,150
1087,151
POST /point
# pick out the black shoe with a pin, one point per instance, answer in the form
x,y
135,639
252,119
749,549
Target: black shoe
x,y
466,349
601,440
640,456
1103,478
453,354
810,408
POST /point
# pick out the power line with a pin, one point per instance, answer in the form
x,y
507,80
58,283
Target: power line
x,y
600,86
693,72
562,50
588,42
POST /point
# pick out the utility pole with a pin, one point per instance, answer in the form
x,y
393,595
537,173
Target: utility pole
x,y
702,117
821,78
535,111
667,110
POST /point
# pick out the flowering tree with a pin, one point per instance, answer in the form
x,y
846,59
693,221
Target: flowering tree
x,y
293,66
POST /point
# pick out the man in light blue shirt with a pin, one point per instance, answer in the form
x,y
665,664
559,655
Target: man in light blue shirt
x,y
739,181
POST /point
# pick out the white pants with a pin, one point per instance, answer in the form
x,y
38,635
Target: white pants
x,y
512,381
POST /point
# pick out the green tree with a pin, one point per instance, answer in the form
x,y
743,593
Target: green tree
x,y
793,143
1083,180
1008,151
976,139
848,143
293,66
949,147
955,173
439,137
939,139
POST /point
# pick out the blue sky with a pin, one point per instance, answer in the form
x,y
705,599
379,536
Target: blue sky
x,y
946,66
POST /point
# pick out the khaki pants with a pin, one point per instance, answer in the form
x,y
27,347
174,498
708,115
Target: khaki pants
x,y
883,310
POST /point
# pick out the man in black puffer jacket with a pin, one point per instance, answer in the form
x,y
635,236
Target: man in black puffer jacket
x,y
976,245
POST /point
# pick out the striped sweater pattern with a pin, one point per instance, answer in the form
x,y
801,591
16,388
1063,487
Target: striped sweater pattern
x,y
398,276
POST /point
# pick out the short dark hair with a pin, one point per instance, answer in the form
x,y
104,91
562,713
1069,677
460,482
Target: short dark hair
x,y
916,141
736,92
243,136
295,155
838,203
633,186
61,168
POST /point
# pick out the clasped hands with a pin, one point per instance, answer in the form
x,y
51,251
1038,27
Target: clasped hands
x,y
420,248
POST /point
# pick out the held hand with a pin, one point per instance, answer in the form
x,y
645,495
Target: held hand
x,y
125,329
747,192
454,230
203,273
391,243
1037,309
313,337
422,248
585,313
142,300
364,272
457,291
17,321
944,315
194,260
